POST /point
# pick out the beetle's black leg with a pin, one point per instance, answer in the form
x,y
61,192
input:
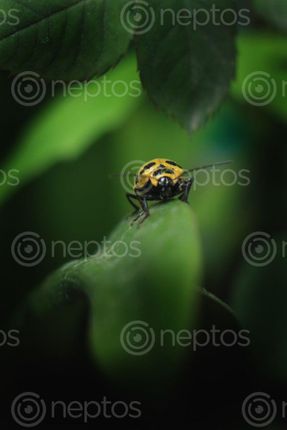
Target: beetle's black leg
x,y
131,198
187,187
145,209
143,213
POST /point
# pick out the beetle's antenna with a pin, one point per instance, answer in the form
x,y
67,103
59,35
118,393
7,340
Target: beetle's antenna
x,y
209,166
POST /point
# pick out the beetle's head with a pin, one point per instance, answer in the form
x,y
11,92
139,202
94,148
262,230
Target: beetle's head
x,y
166,187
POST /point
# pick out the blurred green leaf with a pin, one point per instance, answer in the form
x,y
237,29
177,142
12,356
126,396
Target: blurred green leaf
x,y
262,72
62,39
149,273
274,11
70,124
187,67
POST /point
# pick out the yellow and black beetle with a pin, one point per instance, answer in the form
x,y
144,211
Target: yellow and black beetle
x,y
162,179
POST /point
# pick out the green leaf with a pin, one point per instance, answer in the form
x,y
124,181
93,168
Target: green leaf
x,y
187,69
262,73
62,39
149,273
274,11
70,124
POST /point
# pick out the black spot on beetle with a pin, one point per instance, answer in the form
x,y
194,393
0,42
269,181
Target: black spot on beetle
x,y
162,171
172,163
148,166
158,172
